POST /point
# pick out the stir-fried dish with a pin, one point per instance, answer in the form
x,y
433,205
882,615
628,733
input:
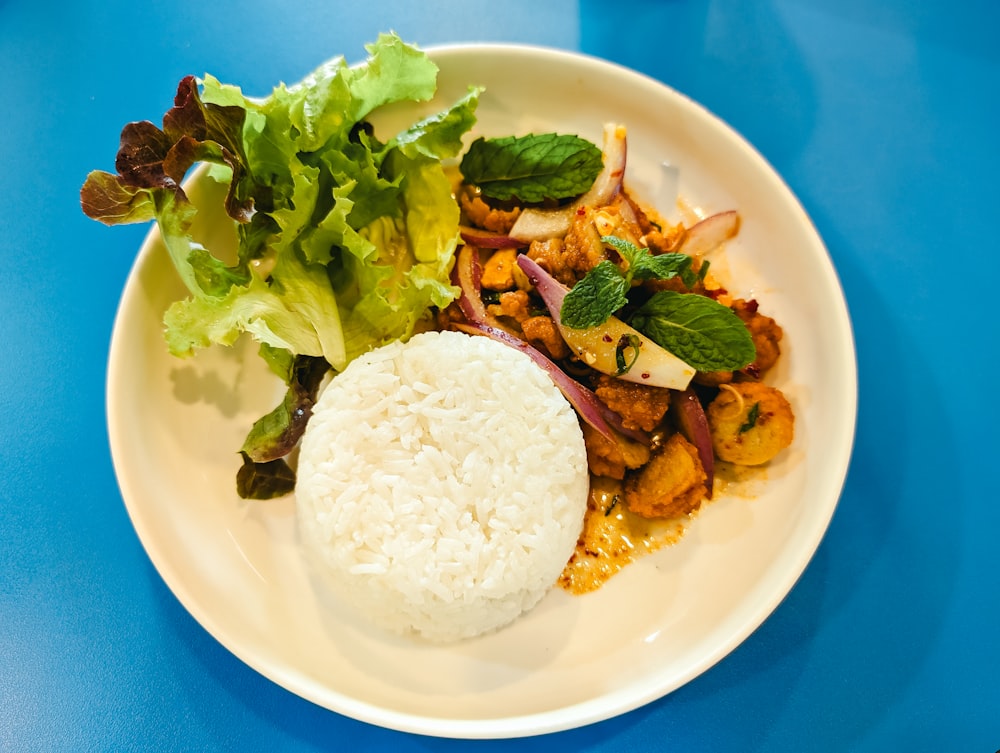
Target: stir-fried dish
x,y
609,293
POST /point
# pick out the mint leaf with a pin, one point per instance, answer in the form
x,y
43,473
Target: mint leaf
x,y
665,266
594,298
696,329
532,168
643,265
604,289
630,252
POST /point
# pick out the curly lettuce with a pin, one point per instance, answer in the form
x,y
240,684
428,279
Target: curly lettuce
x,y
345,241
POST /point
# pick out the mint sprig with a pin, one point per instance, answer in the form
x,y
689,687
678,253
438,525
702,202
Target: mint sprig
x,y
604,289
532,168
700,331
596,297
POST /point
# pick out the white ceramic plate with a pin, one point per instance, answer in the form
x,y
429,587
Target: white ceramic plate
x,y
176,425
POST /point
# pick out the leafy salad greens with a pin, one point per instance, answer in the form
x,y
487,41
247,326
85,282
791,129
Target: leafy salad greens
x,y
345,242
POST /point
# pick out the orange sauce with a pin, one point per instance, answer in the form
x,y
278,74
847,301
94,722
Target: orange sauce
x,y
613,537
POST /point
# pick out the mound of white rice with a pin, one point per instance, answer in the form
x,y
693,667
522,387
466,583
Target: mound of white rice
x,y
442,485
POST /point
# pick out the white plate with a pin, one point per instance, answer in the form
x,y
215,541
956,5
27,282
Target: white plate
x,y
176,425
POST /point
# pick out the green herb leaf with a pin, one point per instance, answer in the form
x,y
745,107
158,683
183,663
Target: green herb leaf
x,y
604,289
696,329
594,298
643,265
626,353
532,168
752,415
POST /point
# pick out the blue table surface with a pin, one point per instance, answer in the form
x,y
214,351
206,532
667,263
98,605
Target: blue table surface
x,y
882,117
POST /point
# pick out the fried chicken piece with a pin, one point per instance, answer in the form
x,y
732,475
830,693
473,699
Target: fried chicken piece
x,y
612,459
514,304
670,485
483,215
641,406
582,247
664,240
549,256
542,332
570,258
766,333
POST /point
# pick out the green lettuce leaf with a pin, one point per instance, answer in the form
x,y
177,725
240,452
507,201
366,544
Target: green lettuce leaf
x,y
345,241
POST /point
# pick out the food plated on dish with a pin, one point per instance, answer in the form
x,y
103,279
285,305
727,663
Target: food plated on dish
x,y
629,315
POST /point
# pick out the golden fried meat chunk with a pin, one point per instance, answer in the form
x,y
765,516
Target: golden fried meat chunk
x,y
670,485
641,406
542,332
612,459
549,256
766,333
481,214
514,304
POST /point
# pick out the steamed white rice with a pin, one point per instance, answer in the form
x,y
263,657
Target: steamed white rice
x,y
442,485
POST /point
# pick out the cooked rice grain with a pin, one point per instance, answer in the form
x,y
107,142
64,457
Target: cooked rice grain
x,y
442,485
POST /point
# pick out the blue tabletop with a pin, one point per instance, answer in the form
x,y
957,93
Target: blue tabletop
x,y
882,118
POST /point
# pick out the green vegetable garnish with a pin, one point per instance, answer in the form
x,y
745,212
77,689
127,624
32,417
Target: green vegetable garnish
x,y
701,332
264,480
596,297
752,415
532,168
345,242
626,353
604,289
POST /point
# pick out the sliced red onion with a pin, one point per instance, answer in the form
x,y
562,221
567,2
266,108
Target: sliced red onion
x,y
542,224
467,276
486,239
584,401
693,424
549,288
707,235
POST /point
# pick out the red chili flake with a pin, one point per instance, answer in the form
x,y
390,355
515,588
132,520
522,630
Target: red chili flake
x,y
607,338
645,375
751,306
581,211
